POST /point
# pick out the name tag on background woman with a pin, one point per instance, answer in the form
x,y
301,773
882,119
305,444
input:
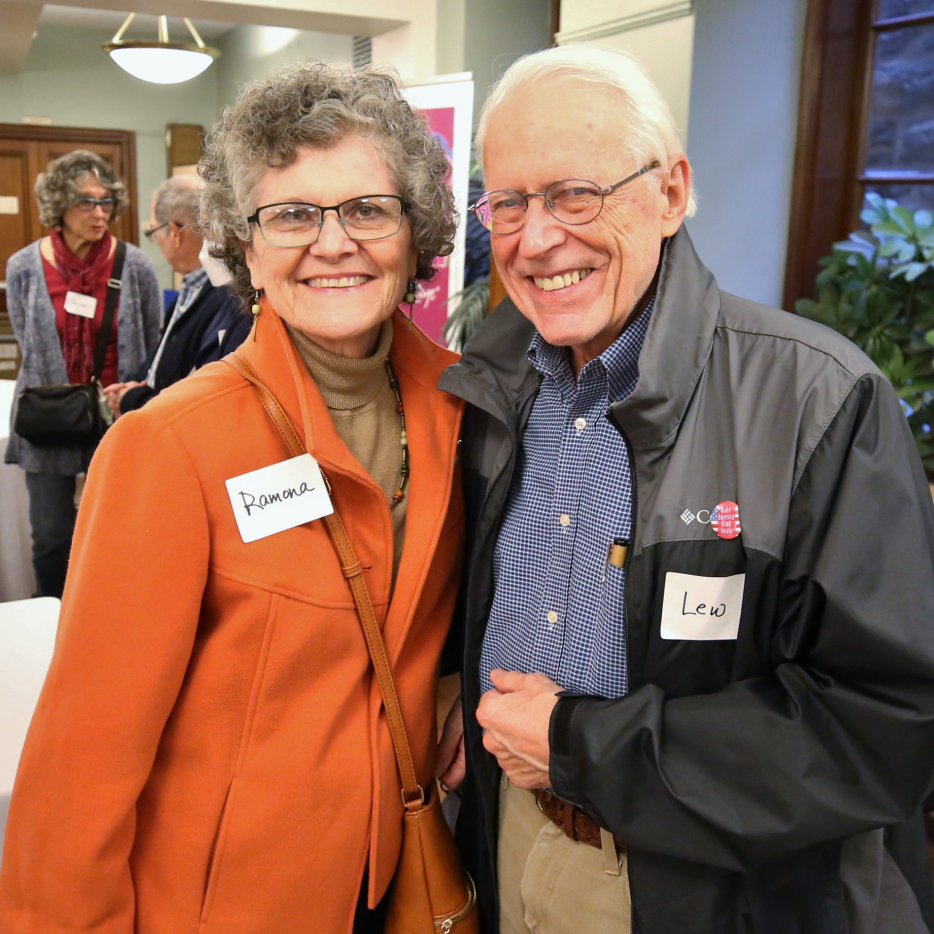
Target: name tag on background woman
x,y
702,608
273,499
78,304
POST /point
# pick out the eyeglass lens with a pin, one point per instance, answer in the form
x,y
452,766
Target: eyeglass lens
x,y
571,201
86,205
367,218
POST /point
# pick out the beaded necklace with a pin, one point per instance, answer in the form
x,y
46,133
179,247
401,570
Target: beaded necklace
x,y
399,495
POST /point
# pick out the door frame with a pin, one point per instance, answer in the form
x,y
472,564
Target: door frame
x,y
125,140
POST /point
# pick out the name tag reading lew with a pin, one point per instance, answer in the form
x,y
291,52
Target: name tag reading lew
x,y
78,304
273,499
702,608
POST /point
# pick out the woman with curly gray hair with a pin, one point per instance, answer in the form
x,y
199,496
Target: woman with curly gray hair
x,y
56,298
210,750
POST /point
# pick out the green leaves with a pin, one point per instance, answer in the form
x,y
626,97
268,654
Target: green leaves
x,y
468,314
877,289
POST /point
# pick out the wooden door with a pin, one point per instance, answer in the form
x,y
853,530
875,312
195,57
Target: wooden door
x,y
25,151
18,226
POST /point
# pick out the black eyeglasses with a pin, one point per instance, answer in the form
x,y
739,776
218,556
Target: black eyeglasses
x,y
150,234
86,205
291,224
572,201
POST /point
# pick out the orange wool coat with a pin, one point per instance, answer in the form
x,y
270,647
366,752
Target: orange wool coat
x,y
209,752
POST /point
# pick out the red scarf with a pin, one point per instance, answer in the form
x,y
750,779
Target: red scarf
x,y
81,275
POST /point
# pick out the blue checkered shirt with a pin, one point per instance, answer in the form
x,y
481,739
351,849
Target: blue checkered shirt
x,y
558,603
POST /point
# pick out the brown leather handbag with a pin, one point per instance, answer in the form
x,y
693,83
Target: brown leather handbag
x,y
431,893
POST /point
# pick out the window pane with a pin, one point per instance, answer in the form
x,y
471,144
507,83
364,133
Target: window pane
x,y
913,197
901,112
889,9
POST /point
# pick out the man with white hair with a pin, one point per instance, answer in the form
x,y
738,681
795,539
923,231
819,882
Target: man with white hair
x,y
205,322
698,618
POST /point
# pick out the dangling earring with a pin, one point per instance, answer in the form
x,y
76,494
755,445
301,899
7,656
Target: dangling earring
x,y
256,309
410,296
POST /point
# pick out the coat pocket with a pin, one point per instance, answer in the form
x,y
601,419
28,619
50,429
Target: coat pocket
x,y
223,825
217,852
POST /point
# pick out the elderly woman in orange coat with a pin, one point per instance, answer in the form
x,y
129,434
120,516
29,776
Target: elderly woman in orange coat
x,y
209,752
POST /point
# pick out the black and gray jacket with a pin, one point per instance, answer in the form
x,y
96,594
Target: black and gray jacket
x,y
770,783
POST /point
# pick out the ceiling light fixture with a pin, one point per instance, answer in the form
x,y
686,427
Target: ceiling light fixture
x,y
161,62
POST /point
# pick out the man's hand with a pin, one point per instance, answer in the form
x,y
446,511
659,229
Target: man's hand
x,y
115,392
452,763
515,716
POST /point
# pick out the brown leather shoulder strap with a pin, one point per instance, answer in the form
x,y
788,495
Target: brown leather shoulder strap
x,y
412,793
270,403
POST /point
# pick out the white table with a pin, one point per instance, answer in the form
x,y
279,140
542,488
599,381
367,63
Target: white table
x,y
17,581
27,636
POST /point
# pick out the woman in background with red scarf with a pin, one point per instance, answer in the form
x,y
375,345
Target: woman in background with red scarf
x,y
56,295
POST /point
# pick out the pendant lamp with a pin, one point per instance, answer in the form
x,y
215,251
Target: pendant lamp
x,y
161,62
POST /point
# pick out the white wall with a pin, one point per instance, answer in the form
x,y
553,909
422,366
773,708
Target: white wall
x,y
665,50
496,33
744,109
69,78
449,36
250,52
657,32
411,49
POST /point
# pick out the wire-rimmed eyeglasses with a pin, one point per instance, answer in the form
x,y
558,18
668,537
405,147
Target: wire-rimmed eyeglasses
x,y
293,223
572,201
150,234
86,205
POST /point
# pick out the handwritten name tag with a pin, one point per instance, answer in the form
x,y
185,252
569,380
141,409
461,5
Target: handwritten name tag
x,y
78,304
273,499
702,608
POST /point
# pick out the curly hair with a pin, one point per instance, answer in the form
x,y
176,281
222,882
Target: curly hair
x,y
312,104
59,186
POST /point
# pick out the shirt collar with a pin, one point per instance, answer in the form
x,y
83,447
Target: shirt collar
x,y
194,280
620,361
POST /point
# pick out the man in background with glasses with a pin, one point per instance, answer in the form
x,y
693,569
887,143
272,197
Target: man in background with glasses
x,y
205,322
698,656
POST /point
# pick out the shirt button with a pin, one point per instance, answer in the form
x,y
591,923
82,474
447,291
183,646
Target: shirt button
x,y
580,424
552,617
565,521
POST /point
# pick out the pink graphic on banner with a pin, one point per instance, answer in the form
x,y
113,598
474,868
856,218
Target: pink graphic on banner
x,y
431,309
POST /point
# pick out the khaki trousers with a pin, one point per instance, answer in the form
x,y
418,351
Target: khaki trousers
x,y
550,884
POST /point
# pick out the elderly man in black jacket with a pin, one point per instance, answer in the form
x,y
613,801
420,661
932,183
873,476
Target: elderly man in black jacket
x,y
205,322
698,633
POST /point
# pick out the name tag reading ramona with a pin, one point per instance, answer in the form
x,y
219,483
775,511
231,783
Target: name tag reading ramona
x,y
273,499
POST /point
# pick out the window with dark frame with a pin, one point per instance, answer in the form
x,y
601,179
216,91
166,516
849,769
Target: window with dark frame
x,y
866,123
898,156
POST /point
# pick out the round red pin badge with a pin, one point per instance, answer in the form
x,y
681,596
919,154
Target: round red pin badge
x,y
725,520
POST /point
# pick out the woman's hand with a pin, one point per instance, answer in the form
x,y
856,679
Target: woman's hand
x,y
452,764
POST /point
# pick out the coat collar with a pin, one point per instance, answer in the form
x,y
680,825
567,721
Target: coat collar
x,y
270,351
432,425
495,373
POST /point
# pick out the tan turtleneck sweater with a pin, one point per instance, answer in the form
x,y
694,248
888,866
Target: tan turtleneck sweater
x,y
363,409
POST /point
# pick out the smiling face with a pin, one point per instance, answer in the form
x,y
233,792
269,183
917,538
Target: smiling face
x,y
80,227
338,291
578,284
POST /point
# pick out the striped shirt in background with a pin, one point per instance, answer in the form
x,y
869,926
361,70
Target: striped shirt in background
x,y
192,286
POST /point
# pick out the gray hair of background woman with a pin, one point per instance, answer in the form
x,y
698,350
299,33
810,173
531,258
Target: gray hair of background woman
x,y
317,105
59,186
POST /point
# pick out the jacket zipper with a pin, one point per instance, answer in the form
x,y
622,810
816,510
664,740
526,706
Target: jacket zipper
x,y
626,563
631,549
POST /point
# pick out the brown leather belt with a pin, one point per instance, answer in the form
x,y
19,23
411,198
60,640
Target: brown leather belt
x,y
572,820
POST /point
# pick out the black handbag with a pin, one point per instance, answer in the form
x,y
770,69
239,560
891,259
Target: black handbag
x,y
72,413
